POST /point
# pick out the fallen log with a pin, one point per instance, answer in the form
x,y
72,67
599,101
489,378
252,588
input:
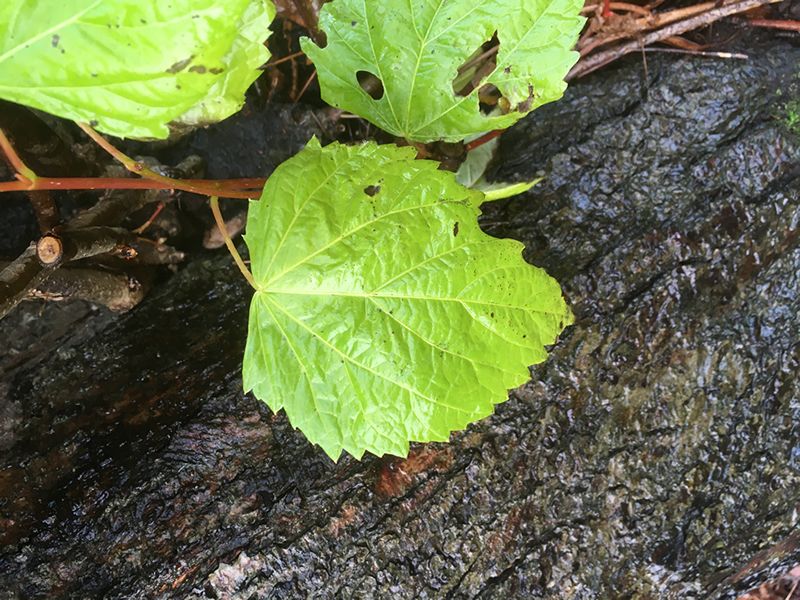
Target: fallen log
x,y
654,454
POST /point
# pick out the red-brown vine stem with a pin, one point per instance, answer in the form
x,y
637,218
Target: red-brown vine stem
x,y
27,180
248,186
138,168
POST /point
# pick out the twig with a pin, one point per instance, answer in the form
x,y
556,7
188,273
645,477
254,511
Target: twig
x,y
618,6
54,249
283,59
305,86
481,57
648,23
16,278
775,24
119,292
738,55
594,62
214,203
113,209
45,208
142,228
790,595
72,245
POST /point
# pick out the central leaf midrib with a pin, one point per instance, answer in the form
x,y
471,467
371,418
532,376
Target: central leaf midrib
x,y
341,238
355,294
360,365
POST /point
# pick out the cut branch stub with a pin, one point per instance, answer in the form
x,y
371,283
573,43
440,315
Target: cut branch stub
x,y
50,250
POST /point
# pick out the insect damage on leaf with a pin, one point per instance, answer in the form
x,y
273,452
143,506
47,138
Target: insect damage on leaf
x,y
388,317
137,66
416,68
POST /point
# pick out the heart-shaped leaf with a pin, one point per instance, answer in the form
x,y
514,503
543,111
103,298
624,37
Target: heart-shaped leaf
x,y
415,48
132,67
383,314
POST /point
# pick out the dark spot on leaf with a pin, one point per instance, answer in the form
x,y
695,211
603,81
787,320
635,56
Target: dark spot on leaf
x,y
63,51
197,69
353,23
455,229
54,40
216,70
372,190
93,123
491,315
142,21
507,70
180,65
93,74
370,84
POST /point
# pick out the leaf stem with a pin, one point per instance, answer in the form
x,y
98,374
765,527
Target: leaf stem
x,y
223,229
484,139
23,171
138,168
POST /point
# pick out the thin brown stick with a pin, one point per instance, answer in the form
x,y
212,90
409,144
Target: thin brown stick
x,y
704,53
142,228
17,277
775,24
592,63
283,59
214,203
618,6
481,57
117,291
647,23
792,591
306,86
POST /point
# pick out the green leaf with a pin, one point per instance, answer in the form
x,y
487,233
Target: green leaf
x,y
415,48
132,67
383,314
472,170
500,190
477,161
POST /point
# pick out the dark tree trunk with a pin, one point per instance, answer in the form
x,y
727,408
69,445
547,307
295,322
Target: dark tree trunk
x,y
656,454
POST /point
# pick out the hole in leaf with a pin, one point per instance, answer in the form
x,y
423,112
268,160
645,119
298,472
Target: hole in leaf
x,y
371,84
372,190
477,67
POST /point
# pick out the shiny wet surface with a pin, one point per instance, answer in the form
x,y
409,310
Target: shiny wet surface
x,y
655,455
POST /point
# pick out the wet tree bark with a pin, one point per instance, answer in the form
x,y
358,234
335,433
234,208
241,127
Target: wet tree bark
x,y
655,453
